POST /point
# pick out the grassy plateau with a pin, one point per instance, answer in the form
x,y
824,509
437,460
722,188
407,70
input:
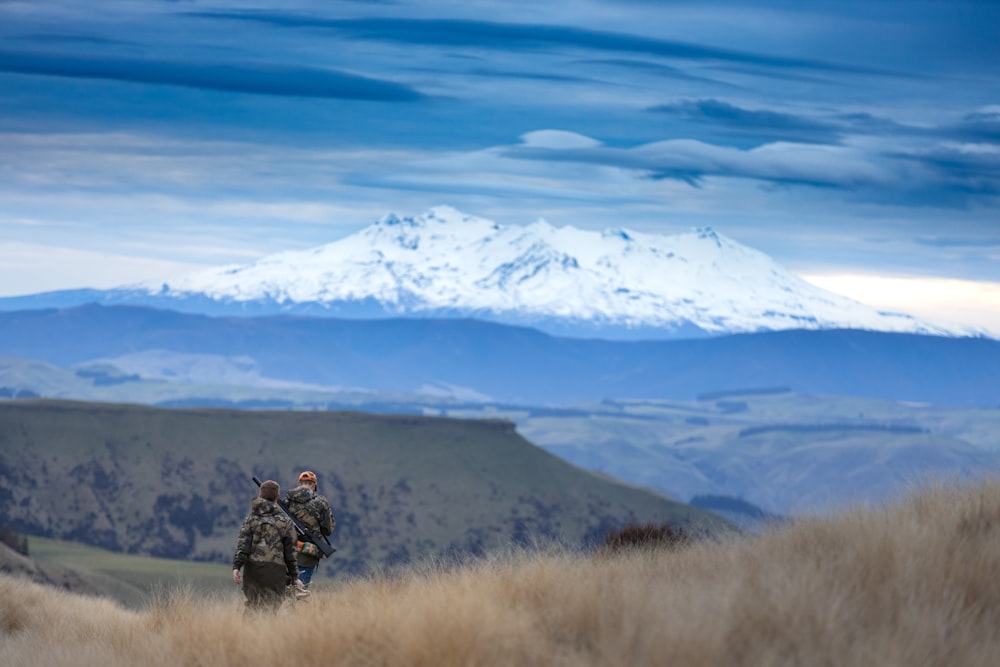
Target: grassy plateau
x,y
916,582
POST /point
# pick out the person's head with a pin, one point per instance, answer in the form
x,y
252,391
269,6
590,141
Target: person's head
x,y
308,478
270,490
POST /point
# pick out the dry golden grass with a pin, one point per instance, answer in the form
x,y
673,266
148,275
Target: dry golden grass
x,y
913,584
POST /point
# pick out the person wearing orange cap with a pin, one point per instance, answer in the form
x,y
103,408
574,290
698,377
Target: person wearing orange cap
x,y
313,510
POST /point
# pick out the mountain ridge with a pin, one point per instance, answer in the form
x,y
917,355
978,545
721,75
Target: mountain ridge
x,y
497,362
562,280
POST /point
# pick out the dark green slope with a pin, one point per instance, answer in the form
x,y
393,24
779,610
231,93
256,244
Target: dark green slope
x,y
176,483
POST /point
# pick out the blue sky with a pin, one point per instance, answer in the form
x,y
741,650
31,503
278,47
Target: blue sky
x,y
858,143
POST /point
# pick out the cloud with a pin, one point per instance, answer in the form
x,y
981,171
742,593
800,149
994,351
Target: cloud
x,y
958,169
558,139
958,242
259,79
691,160
496,73
769,124
656,69
979,126
941,175
528,37
971,303
51,267
763,123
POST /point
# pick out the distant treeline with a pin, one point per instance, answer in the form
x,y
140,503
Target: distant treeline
x,y
816,428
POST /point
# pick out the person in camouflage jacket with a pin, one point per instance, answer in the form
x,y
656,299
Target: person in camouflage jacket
x,y
313,510
265,552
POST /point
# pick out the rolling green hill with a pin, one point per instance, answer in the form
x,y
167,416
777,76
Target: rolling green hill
x,y
132,580
176,483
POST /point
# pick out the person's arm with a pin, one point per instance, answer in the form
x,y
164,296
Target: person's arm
x,y
290,544
243,543
327,520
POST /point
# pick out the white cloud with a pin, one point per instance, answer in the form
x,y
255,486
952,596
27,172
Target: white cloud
x,y
558,139
27,268
972,303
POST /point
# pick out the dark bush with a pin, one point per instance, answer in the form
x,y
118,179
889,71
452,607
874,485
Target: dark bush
x,y
18,543
646,536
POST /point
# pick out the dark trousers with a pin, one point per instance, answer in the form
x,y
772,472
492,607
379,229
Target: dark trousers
x,y
263,585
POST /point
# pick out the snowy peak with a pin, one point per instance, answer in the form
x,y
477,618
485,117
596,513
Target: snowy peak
x,y
708,234
445,262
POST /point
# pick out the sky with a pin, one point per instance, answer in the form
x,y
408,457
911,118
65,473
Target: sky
x,y
855,142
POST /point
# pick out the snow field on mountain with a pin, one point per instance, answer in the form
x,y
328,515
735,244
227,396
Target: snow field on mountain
x,y
447,261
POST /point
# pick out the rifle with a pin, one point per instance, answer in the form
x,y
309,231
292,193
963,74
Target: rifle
x,y
322,542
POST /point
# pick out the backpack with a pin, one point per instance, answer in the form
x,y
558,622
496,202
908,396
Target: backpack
x,y
267,545
303,507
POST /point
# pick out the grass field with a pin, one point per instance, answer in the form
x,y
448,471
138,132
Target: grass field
x,y
132,580
917,583
135,581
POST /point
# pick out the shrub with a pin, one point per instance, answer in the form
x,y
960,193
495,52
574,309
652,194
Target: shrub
x,y
18,543
646,536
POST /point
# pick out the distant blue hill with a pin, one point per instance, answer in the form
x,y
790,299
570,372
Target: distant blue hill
x,y
519,364
368,308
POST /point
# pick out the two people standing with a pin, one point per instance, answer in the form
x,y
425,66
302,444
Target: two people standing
x,y
268,551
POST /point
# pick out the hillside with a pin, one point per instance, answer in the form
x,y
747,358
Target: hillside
x,y
910,584
177,483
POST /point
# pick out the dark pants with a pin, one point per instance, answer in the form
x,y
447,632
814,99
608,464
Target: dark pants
x,y
263,585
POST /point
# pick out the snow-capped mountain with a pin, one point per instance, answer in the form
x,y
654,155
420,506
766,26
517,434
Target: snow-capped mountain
x,y
563,280
447,263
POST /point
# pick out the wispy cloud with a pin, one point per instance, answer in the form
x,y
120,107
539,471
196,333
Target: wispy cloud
x,y
763,123
508,37
948,176
691,161
259,79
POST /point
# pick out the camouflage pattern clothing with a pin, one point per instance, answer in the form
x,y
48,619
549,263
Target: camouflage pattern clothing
x,y
313,510
265,551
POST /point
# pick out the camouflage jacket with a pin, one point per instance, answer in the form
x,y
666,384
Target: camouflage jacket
x,y
266,536
313,510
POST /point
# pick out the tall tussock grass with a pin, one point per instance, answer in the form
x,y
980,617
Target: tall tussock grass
x,y
916,583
